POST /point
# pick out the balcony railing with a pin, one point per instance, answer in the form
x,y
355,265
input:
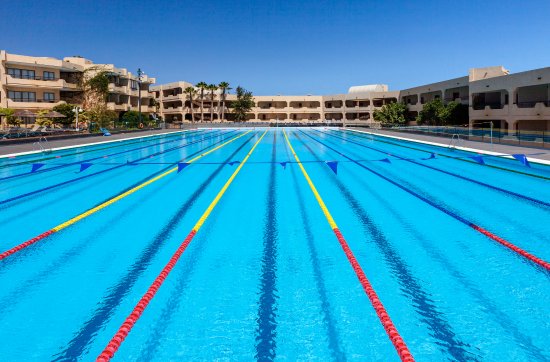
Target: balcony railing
x,y
33,77
28,100
532,104
450,99
492,105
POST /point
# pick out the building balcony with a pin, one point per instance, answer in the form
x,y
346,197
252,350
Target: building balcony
x,y
263,108
539,109
69,86
490,105
533,104
35,82
25,60
463,99
37,104
114,88
171,97
173,110
305,116
490,111
112,106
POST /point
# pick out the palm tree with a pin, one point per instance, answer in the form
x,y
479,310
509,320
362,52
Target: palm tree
x,y
212,88
191,91
224,86
202,86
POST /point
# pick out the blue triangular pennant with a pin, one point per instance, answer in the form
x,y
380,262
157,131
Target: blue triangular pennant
x,y
283,164
84,166
387,160
36,166
479,159
522,158
182,165
333,165
233,163
432,156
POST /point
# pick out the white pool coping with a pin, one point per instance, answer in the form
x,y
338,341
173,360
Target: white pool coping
x,y
475,150
89,144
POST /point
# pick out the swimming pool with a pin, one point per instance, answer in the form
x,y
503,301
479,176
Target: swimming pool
x,y
262,220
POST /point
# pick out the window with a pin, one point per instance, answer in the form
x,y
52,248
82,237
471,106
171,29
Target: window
x,y
134,86
49,76
49,97
22,96
21,73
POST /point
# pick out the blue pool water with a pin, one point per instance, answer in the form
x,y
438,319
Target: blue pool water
x,y
265,278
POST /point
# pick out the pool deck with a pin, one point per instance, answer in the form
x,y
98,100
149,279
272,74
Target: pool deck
x,y
537,154
72,142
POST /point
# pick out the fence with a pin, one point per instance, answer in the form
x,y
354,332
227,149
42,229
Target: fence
x,y
496,135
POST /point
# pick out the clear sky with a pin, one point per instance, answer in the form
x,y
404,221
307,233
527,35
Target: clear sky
x,y
286,47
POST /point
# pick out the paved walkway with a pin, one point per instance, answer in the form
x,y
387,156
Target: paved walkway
x,y
27,147
541,153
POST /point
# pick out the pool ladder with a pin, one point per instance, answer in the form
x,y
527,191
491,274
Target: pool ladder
x,y
40,145
455,141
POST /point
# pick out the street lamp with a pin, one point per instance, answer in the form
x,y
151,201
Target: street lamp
x,y
76,111
139,73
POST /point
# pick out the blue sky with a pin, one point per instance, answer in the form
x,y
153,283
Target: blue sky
x,y
286,47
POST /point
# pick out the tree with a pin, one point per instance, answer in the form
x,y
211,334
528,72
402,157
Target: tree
x,y
202,86
243,104
101,116
65,109
156,104
43,121
224,86
191,92
212,88
131,119
95,87
10,118
391,114
435,113
455,114
431,113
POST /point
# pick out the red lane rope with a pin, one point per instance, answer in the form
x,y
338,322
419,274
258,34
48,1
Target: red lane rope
x,y
128,324
511,246
15,249
381,311
131,320
449,212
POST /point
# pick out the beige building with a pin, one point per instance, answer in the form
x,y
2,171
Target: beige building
x,y
37,83
354,107
514,102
